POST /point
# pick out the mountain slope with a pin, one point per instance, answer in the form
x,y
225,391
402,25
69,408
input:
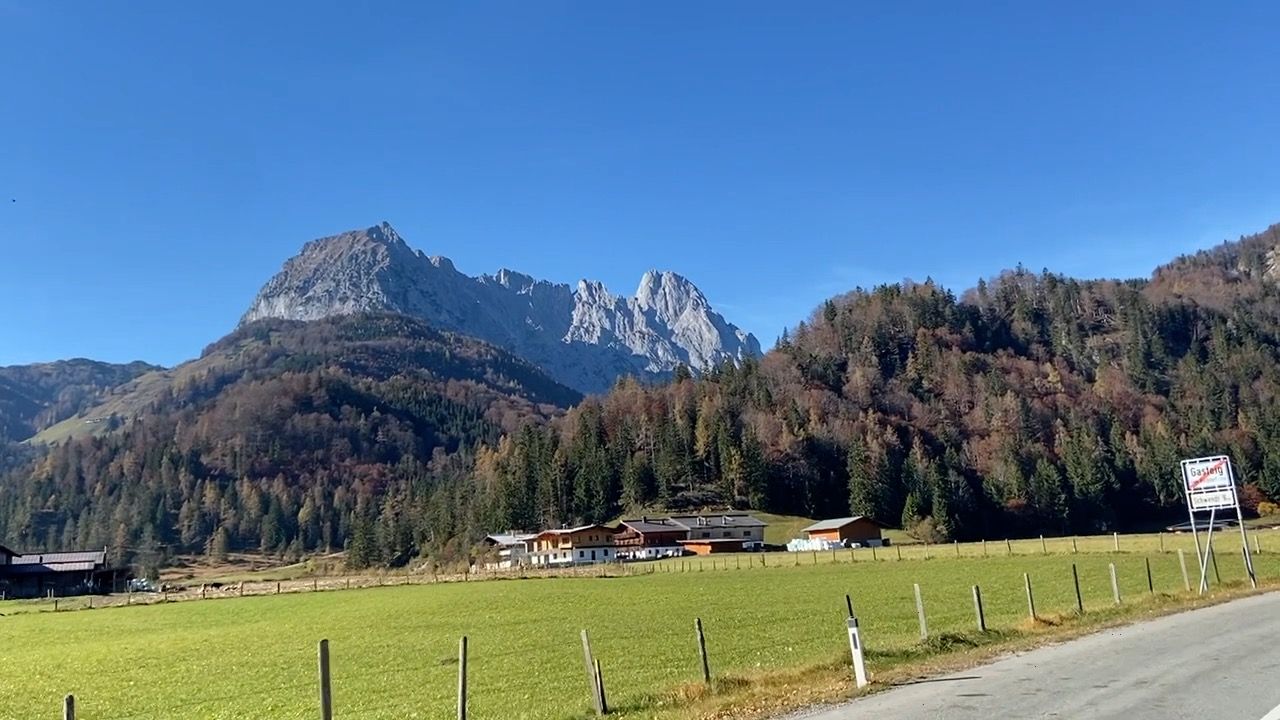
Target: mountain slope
x,y
1037,403
282,436
33,397
585,337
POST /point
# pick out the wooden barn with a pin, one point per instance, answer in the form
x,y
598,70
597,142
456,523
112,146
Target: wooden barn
x,y
858,529
60,574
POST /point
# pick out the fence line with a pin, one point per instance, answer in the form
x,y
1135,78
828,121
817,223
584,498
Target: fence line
x,y
597,699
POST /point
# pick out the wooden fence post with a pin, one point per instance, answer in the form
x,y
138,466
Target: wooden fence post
x,y
277,587
1257,546
977,609
1115,537
326,695
899,547
1043,547
1008,545
604,702
1075,549
592,677
1115,584
1182,561
873,553
984,547
1075,580
69,707
957,544
924,625
1151,586
702,651
1031,599
1161,541
462,678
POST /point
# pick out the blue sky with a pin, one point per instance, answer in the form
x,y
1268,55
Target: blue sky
x,y
158,161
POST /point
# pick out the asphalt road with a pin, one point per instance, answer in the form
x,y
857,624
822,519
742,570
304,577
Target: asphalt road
x,y
1218,662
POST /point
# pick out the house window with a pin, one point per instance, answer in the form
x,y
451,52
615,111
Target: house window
x,y
593,554
746,533
706,534
582,553
728,533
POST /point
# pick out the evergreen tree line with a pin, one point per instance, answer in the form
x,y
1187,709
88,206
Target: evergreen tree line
x,y
1035,403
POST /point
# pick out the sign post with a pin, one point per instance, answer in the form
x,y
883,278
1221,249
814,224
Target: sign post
x,y
1210,484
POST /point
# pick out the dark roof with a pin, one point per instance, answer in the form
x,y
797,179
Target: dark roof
x,y
720,520
6,551
711,541
655,525
40,568
837,523
93,556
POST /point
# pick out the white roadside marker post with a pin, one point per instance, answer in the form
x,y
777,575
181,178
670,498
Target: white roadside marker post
x,y
855,647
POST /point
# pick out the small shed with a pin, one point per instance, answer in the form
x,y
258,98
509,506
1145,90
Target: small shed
x,y
857,529
713,546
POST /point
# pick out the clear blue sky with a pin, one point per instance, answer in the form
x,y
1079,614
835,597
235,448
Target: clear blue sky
x,y
165,158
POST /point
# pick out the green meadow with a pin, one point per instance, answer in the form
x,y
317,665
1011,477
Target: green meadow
x,y
394,649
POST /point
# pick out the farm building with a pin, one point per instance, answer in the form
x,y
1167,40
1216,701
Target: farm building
x,y
513,548
583,545
746,530
67,573
855,531
713,546
649,538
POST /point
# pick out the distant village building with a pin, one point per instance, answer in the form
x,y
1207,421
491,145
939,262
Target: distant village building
x,y
513,548
726,532
856,531
645,538
585,545
60,574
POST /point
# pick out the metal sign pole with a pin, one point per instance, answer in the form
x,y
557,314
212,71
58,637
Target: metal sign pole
x,y
1191,512
1244,537
1208,550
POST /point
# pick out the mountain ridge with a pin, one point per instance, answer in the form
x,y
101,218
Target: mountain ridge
x,y
583,335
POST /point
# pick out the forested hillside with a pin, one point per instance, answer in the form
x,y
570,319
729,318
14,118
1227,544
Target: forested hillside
x,y
33,397
284,436
1036,403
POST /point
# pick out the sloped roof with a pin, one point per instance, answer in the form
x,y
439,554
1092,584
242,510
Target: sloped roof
x,y
720,520
38,568
93,556
655,525
580,528
509,539
837,523
6,551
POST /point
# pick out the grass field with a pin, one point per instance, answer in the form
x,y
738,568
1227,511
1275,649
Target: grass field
x,y
394,648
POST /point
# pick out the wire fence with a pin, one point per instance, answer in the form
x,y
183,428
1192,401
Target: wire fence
x,y
1150,569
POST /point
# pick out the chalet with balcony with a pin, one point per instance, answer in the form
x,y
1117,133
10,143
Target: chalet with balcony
x,y
650,538
584,545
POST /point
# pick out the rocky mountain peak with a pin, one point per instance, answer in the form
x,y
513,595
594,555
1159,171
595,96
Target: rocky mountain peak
x,y
583,335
